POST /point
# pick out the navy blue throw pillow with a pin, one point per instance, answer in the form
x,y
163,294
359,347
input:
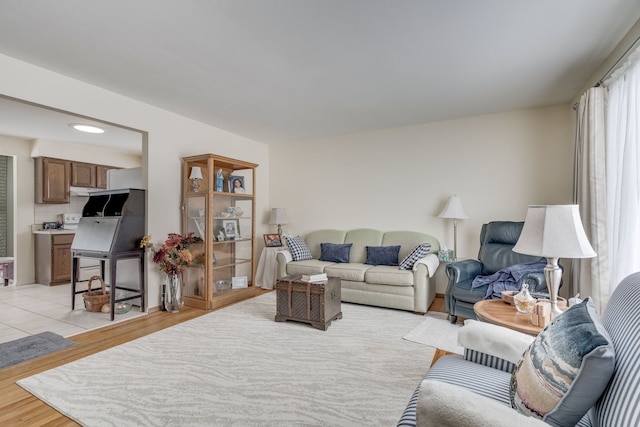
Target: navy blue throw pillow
x,y
334,252
382,255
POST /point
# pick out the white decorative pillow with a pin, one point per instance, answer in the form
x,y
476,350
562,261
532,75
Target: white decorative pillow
x,y
298,248
419,252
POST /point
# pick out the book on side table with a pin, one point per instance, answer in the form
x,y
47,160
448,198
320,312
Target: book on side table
x,y
314,277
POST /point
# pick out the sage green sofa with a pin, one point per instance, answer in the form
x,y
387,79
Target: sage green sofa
x,y
377,285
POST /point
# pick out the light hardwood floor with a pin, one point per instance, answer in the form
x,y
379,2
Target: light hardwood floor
x,y
20,408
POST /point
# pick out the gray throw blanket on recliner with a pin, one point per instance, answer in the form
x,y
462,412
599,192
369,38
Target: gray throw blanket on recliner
x,y
507,279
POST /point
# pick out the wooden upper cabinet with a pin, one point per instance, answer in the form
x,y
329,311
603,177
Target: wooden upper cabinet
x,y
101,175
83,175
52,178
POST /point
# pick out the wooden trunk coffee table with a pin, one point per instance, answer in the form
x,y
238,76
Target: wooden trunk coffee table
x,y
317,303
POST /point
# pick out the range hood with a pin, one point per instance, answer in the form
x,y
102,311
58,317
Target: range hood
x,y
82,191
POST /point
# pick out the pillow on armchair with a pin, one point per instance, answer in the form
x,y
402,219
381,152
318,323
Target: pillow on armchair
x,y
566,368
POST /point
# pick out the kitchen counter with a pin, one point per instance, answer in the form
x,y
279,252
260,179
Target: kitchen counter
x,y
54,231
37,229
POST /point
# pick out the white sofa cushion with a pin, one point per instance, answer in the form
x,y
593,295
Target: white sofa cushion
x,y
307,266
388,275
347,271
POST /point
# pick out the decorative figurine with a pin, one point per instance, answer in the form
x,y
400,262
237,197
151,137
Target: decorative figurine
x,y
219,180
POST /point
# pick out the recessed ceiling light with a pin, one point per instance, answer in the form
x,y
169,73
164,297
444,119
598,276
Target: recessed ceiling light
x,y
86,128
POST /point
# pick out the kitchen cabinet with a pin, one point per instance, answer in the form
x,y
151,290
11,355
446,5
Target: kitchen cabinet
x,y
53,177
83,175
53,258
224,218
101,175
52,180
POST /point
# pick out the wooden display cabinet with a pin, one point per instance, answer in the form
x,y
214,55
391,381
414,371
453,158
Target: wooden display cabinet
x,y
224,217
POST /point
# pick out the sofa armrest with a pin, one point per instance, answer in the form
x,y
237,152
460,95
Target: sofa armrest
x,y
494,340
442,405
431,261
282,258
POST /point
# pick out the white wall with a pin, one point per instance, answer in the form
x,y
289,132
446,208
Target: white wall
x,y
20,149
170,137
400,178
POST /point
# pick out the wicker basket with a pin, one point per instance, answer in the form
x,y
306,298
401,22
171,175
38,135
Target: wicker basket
x,y
94,300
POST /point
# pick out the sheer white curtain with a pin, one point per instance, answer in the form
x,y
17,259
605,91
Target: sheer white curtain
x,y
623,169
607,181
590,277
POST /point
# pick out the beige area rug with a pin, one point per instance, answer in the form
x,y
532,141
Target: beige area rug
x,y
436,331
237,367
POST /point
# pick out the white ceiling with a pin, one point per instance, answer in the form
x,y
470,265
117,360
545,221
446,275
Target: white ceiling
x,y
25,120
288,70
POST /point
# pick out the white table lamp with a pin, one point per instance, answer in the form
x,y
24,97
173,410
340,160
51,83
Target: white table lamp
x,y
196,175
553,232
455,211
278,216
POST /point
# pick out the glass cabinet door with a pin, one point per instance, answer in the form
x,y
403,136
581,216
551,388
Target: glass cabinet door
x,y
233,242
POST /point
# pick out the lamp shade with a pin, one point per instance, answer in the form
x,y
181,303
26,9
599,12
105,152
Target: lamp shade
x,y
278,216
453,209
196,173
554,231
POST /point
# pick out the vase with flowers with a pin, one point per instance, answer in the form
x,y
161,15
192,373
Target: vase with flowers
x,y
173,256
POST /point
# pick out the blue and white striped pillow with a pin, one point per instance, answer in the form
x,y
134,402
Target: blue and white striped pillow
x,y
419,252
298,248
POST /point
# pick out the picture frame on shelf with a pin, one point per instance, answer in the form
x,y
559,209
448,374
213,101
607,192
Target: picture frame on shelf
x,y
272,240
239,282
236,184
230,228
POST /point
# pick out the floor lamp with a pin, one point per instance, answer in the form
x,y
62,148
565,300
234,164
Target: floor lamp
x,y
553,232
454,211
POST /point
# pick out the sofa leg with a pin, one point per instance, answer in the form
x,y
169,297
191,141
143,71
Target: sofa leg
x,y
453,319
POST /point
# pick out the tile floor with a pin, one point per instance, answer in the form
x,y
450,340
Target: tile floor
x,y
31,309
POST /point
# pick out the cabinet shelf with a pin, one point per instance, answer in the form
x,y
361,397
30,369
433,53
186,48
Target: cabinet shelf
x,y
225,264
228,249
